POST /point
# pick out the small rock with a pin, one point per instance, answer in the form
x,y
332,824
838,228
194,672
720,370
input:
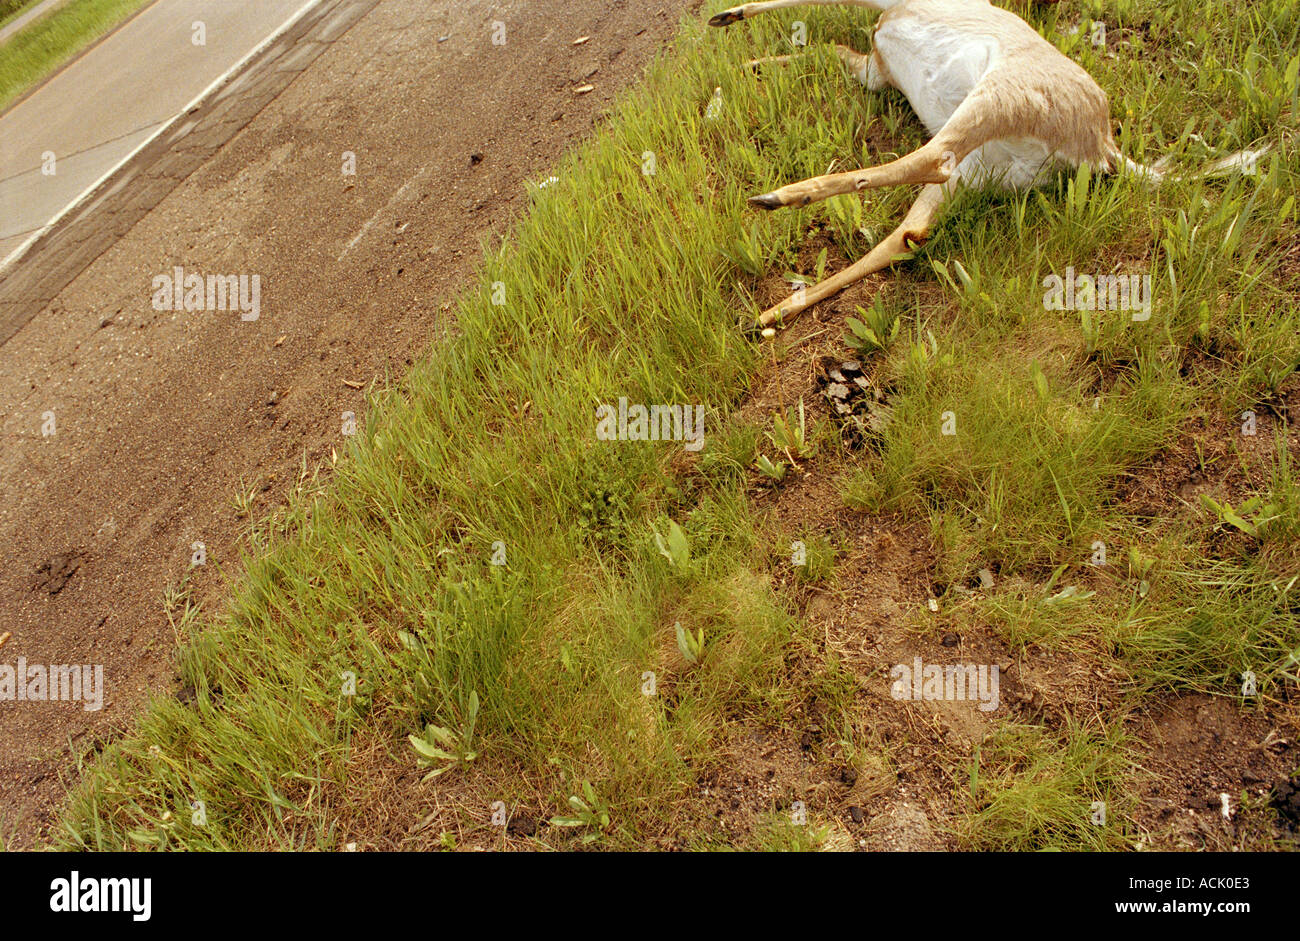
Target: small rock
x,y
950,640
855,813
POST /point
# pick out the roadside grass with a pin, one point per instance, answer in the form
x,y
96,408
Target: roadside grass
x,y
1026,787
478,561
12,9
40,48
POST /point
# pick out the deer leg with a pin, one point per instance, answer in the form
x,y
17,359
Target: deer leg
x,y
915,228
746,10
933,163
975,122
858,63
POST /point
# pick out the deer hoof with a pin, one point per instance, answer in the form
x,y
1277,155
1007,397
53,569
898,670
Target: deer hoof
x,y
727,17
766,201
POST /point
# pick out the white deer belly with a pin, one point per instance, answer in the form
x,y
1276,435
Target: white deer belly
x,y
1013,162
936,67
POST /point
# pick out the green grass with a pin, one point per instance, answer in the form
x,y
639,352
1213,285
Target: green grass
x,y
39,49
1030,791
12,9
618,283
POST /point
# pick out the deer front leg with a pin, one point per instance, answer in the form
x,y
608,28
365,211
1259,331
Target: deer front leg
x,y
973,124
932,163
915,229
746,10
859,65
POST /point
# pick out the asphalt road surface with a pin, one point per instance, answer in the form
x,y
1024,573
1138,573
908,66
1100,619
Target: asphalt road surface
x,y
105,104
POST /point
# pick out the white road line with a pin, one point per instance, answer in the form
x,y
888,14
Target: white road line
x,y
21,250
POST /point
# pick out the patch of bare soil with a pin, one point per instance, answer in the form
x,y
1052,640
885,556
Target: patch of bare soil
x,y
163,418
1194,750
1215,458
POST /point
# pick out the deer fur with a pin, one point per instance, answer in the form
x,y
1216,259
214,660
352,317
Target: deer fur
x,y
1003,106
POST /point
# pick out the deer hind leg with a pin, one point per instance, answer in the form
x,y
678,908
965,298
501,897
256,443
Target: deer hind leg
x,y
915,229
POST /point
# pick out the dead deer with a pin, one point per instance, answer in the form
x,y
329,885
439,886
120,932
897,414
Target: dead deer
x,y
1003,106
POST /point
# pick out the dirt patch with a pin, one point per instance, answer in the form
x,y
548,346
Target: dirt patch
x,y
763,772
171,428
1197,748
892,790
1216,458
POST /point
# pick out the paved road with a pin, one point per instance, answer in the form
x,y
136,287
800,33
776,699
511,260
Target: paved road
x,y
19,22
114,98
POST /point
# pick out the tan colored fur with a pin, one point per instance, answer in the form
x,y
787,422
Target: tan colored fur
x,y
1036,91
1032,91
